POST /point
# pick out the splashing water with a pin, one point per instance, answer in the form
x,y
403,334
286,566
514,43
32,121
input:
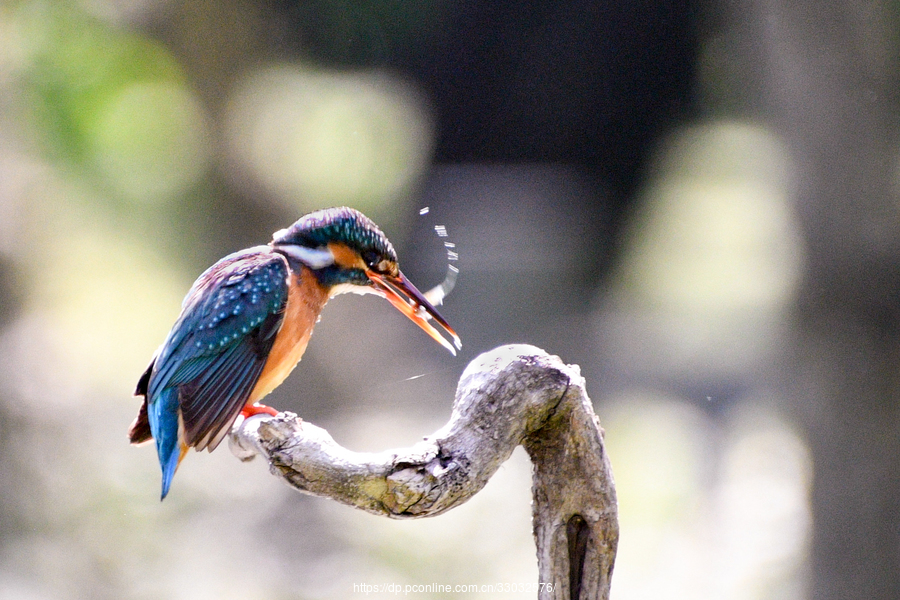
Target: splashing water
x,y
437,294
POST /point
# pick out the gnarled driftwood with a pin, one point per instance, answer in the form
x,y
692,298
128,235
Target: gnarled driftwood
x,y
512,395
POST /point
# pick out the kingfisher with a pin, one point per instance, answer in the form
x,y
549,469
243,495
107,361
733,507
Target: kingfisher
x,y
245,323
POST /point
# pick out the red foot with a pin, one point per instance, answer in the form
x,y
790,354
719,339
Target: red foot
x,y
258,409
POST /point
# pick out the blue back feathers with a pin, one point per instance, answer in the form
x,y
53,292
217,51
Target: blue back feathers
x,y
214,354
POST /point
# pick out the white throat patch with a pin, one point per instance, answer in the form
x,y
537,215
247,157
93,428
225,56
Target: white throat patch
x,y
314,258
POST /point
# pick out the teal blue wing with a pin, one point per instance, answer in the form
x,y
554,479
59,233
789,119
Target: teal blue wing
x,y
217,349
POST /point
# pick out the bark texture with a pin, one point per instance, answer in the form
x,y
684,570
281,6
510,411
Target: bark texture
x,y
512,395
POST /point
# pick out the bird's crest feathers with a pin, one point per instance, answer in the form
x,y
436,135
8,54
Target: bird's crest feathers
x,y
342,225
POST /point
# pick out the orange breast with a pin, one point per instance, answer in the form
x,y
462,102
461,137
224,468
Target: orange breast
x,y
306,299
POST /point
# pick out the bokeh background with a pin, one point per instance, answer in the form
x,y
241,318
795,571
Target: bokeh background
x,y
698,202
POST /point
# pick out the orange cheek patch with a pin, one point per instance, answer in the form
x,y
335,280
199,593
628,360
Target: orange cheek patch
x,y
344,257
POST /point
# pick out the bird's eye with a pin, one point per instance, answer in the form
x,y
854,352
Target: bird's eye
x,y
370,258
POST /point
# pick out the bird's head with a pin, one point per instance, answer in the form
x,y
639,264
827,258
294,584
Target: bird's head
x,y
347,252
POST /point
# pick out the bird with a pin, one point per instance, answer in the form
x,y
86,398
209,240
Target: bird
x,y
246,322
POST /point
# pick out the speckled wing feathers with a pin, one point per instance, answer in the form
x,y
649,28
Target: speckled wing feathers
x,y
218,347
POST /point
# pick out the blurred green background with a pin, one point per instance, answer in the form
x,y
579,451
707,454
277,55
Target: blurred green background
x,y
695,201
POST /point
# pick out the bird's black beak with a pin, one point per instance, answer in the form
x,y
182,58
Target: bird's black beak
x,y
399,291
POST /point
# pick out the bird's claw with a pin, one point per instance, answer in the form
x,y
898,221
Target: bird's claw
x,y
256,408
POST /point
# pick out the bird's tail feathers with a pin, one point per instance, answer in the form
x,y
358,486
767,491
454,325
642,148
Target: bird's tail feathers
x,y
165,423
170,467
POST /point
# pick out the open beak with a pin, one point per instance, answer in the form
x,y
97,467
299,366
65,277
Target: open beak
x,y
400,292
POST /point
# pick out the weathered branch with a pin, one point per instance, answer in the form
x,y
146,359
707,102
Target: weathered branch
x,y
512,395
